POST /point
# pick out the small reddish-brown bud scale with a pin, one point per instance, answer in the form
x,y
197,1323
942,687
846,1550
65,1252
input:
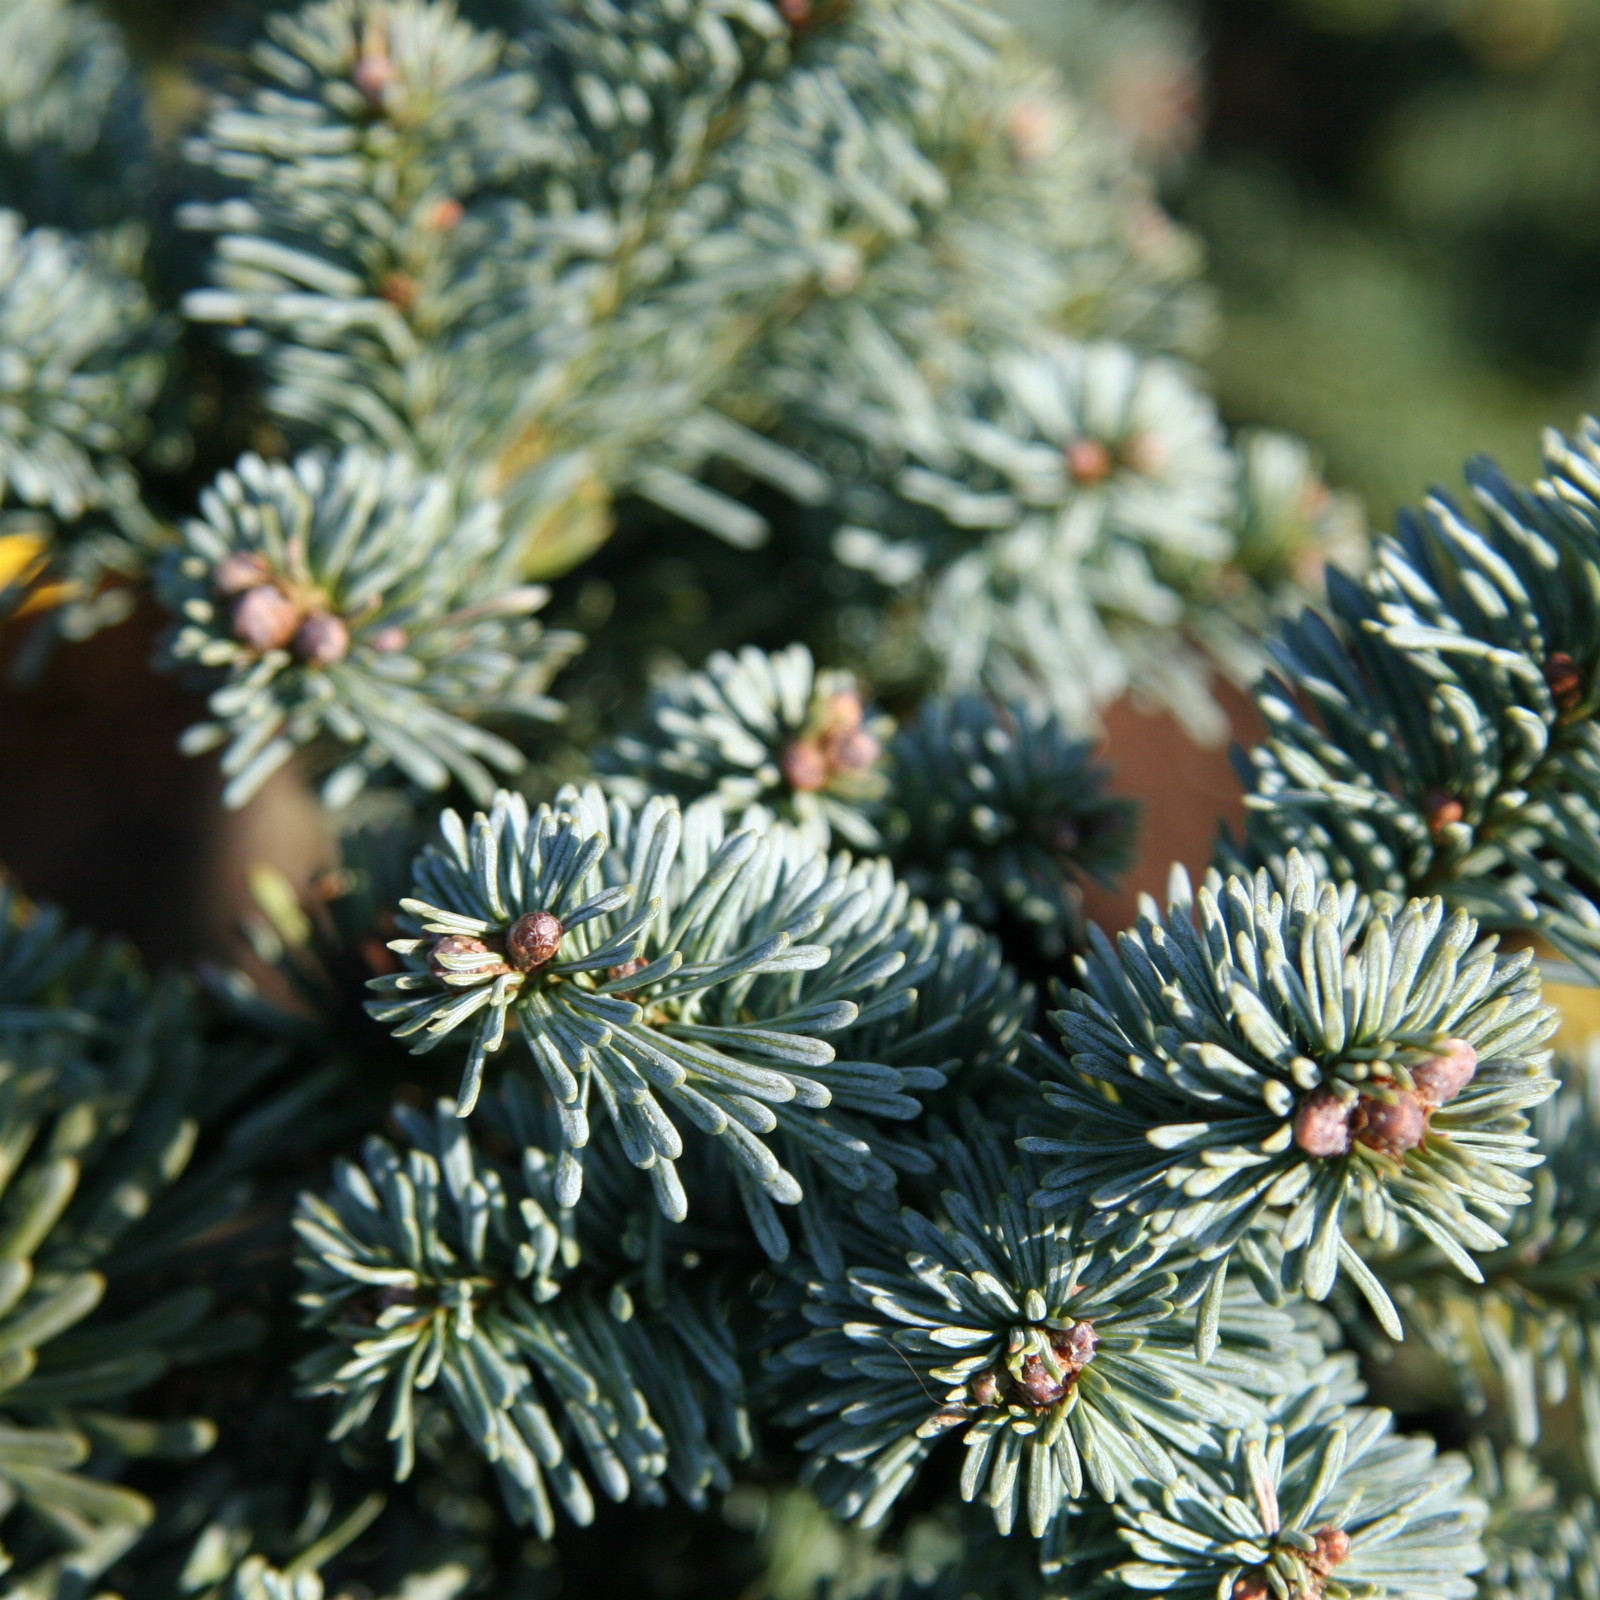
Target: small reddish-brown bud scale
x,y
984,1389
626,969
1088,462
1443,1076
1251,1586
533,940
1031,127
804,766
1333,1547
843,713
797,13
1322,1125
1146,452
240,571
1566,682
459,946
855,753
1075,1347
388,640
322,639
1391,1126
1441,810
1038,1387
374,73
445,214
265,618
399,289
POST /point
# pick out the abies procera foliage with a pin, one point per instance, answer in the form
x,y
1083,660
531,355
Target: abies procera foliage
x,y
681,480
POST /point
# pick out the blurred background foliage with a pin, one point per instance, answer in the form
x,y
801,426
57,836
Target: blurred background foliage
x,y
1399,199
1403,258
1398,203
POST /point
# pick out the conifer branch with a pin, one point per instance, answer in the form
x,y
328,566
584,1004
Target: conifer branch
x,y
351,604
1279,1058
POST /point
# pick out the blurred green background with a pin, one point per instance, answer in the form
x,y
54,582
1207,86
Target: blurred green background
x,y
1400,200
1401,203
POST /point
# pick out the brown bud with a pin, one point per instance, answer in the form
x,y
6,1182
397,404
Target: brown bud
x,y
265,618
322,639
1441,810
854,753
1442,1077
374,70
1038,1386
388,640
804,766
242,570
1030,125
842,714
1322,1125
626,969
399,289
1075,1347
1333,1547
462,947
372,76
1088,461
1252,1585
1391,1126
445,214
797,13
1566,682
984,1389
533,940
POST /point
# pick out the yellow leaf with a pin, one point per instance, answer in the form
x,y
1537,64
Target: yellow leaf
x,y
279,903
46,597
21,555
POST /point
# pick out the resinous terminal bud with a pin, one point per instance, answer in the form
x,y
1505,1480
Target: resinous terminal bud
x,y
1322,1125
265,618
1444,1075
533,940
1391,1126
462,957
322,639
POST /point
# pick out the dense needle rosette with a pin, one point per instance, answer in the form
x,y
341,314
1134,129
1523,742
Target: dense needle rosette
x,y
1298,1054
992,804
1529,1330
1323,1504
351,604
436,1273
761,729
1089,499
84,361
682,973
1436,729
1061,1367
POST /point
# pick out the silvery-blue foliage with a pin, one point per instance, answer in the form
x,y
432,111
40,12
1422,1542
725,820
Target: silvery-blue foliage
x,y
353,605
1278,1058
687,974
